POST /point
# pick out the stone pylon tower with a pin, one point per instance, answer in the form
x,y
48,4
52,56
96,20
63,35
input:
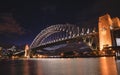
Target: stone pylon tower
x,y
104,31
27,53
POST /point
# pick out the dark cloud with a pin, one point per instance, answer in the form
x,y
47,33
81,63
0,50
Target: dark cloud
x,y
9,25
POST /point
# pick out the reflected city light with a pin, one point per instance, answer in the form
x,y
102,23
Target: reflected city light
x,y
108,67
26,67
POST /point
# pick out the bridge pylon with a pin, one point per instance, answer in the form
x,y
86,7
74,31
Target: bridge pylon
x,y
106,25
27,51
104,31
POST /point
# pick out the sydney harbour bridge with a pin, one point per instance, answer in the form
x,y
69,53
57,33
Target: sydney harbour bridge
x,y
55,37
62,38
65,33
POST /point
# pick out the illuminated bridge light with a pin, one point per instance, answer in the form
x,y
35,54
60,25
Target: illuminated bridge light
x,y
62,38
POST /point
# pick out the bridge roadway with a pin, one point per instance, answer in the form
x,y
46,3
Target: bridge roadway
x,y
20,52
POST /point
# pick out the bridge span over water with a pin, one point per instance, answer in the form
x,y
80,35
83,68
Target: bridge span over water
x,y
65,33
56,35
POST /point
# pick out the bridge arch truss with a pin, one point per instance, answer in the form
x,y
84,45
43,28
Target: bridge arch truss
x,y
63,32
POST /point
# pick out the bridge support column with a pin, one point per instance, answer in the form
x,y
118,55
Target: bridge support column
x,y
104,31
27,51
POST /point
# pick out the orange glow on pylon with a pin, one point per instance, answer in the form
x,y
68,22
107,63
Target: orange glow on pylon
x,y
26,47
104,31
26,51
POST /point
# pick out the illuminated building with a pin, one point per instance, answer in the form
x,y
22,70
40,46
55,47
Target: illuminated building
x,y
106,25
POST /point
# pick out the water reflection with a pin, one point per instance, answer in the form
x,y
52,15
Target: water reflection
x,y
26,67
91,66
118,66
13,69
39,67
107,66
59,66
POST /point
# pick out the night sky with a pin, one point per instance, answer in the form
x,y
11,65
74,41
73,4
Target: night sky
x,y
21,21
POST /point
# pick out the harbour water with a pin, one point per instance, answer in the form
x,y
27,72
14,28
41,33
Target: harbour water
x,y
59,66
118,66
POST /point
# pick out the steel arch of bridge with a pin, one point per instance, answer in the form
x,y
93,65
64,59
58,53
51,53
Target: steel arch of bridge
x,y
88,36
